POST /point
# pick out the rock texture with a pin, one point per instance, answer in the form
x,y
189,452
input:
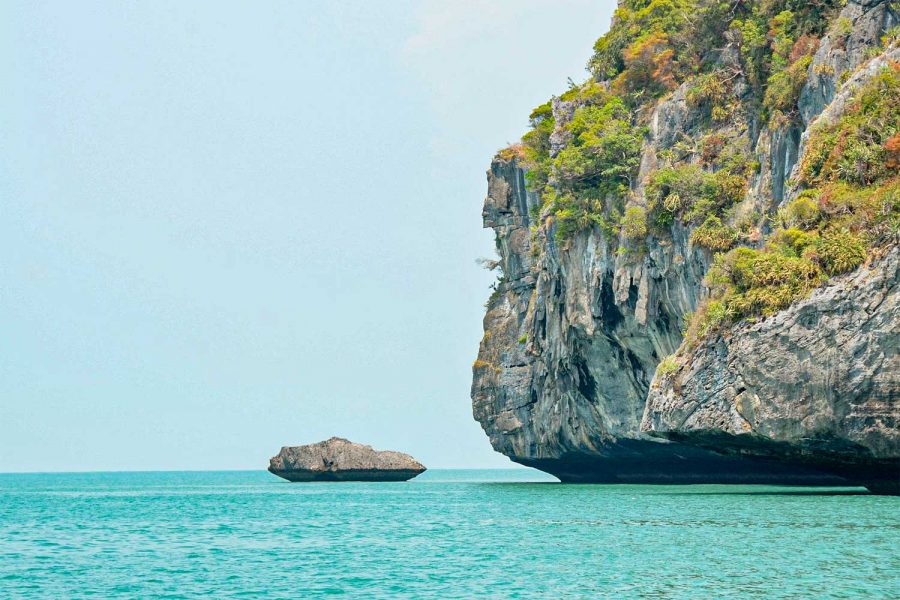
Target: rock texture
x,y
574,331
817,384
337,459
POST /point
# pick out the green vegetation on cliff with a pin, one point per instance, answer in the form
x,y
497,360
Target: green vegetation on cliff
x,y
585,174
829,229
741,66
863,146
582,181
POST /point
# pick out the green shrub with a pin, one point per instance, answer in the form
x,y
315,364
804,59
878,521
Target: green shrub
x,y
783,89
708,317
856,149
859,207
667,367
692,194
841,31
729,188
891,37
842,27
686,181
707,88
733,159
537,147
714,314
748,222
673,189
781,31
886,201
710,90
599,162
634,223
750,268
802,212
871,211
839,251
794,240
753,43
749,282
698,212
712,234
776,41
605,149
589,92
572,214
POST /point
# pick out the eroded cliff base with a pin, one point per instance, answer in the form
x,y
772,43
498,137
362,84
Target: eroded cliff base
x,y
651,462
832,457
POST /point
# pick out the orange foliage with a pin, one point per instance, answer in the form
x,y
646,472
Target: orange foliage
x,y
806,45
893,152
648,66
511,152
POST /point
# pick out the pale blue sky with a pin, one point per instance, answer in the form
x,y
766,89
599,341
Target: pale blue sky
x,y
227,226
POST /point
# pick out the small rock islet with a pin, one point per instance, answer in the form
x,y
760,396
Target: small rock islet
x,y
338,459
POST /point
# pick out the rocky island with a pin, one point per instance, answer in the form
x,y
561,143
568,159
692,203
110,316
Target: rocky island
x,y
337,459
699,253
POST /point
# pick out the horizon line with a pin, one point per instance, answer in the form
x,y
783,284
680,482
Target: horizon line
x,y
99,471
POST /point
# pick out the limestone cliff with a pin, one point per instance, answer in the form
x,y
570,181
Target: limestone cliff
x,y
632,190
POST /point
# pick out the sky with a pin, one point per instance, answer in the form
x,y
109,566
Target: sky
x,y
226,227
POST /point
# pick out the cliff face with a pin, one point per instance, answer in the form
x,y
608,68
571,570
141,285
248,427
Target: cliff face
x,y
815,384
599,282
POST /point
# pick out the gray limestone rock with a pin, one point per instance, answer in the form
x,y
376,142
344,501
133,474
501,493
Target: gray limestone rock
x,y
859,26
571,343
337,459
817,384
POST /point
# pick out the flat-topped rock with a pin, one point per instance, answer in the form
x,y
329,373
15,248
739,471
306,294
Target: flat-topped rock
x,y
337,459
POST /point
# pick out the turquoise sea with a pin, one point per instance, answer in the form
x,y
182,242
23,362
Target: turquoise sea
x,y
446,534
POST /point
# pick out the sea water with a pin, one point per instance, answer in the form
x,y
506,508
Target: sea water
x,y
445,534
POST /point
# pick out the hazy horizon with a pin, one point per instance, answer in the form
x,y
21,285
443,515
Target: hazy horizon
x,y
230,228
